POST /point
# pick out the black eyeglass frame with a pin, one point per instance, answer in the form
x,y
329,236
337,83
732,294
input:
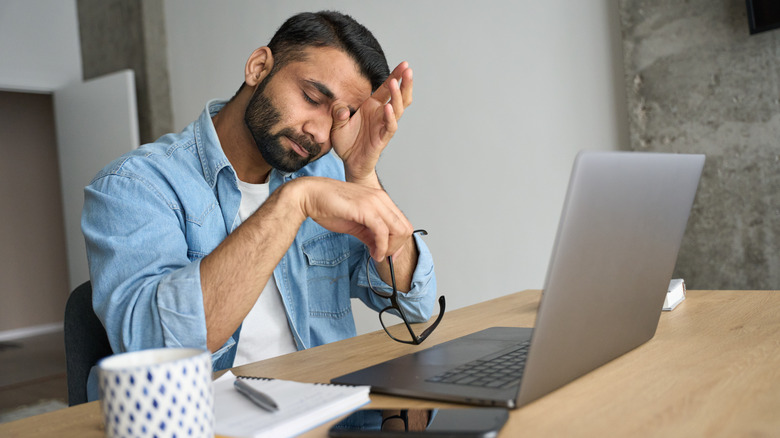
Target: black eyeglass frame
x,y
416,340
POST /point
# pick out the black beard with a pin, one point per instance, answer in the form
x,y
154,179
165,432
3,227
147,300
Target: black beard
x,y
260,117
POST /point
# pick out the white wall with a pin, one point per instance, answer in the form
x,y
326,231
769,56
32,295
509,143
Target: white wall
x,y
39,45
506,92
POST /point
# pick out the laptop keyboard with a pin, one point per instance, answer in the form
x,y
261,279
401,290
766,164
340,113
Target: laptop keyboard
x,y
498,370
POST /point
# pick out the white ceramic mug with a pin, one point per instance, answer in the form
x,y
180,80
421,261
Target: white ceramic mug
x,y
161,392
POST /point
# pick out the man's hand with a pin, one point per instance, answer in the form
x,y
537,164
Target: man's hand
x,y
234,274
366,213
359,140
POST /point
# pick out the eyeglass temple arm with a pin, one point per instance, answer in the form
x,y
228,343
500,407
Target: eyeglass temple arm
x,y
442,307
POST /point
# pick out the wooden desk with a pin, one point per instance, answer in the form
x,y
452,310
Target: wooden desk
x,y
713,369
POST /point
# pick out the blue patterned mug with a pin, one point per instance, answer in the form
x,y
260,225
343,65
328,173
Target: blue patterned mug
x,y
161,392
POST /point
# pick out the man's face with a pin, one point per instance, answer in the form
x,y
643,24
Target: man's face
x,y
290,114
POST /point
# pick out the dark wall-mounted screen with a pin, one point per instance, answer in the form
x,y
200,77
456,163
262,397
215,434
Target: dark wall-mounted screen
x,y
763,15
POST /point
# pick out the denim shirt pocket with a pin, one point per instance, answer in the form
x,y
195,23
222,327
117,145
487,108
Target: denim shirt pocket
x,y
204,229
327,275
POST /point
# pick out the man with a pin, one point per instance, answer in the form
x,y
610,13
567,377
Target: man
x,y
243,234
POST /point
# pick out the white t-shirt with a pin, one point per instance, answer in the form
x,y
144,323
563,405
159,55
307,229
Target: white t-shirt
x,y
266,331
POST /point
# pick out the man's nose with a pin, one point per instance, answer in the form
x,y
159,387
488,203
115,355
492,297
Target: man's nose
x,y
319,128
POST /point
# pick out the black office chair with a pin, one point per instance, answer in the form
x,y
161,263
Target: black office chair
x,y
85,342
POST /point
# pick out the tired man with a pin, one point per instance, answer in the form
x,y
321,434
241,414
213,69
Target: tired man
x,y
244,234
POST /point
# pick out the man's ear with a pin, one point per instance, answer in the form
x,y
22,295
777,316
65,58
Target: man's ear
x,y
258,66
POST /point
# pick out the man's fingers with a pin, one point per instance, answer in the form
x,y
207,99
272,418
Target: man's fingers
x,y
390,228
381,239
399,69
396,99
399,228
382,94
407,84
368,214
390,126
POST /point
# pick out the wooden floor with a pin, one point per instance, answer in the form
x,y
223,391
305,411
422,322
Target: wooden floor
x,y
32,375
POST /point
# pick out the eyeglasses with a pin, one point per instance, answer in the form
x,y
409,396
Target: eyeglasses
x,y
388,316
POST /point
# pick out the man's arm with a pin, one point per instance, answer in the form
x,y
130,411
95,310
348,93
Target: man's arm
x,y
149,293
145,275
359,142
234,274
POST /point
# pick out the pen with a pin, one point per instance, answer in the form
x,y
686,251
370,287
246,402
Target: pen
x,y
256,396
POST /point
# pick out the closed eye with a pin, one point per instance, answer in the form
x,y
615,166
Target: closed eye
x,y
307,98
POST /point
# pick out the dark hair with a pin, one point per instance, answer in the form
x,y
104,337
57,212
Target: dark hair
x,y
328,29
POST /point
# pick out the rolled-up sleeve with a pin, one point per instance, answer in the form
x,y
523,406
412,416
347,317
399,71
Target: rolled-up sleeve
x,y
418,302
146,285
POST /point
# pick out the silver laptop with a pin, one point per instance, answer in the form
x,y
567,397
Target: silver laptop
x,y
619,233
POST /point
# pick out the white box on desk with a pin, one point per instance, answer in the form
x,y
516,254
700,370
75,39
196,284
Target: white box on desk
x,y
675,295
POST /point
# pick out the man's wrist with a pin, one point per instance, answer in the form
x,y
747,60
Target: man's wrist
x,y
369,180
292,195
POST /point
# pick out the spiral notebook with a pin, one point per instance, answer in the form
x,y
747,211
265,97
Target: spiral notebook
x,y
302,406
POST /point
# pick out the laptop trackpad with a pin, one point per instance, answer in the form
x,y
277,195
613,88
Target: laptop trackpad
x,y
473,346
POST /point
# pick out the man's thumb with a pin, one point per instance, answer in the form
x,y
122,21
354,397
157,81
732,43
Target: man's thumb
x,y
340,117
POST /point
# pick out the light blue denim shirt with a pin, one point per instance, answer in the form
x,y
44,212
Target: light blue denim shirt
x,y
150,216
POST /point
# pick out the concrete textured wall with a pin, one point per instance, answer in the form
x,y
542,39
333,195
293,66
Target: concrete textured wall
x,y
698,82
119,34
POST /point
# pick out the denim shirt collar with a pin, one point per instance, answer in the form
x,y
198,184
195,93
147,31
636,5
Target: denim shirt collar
x,y
212,156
